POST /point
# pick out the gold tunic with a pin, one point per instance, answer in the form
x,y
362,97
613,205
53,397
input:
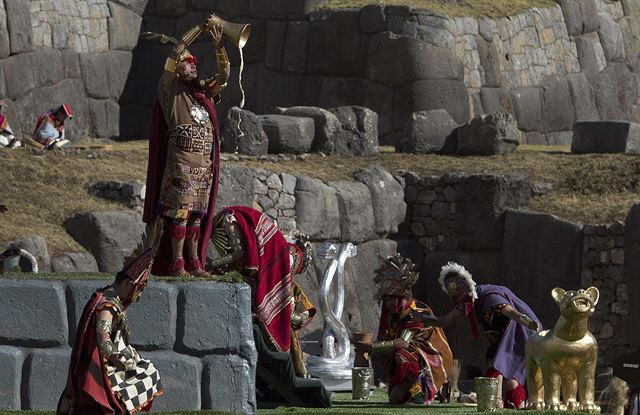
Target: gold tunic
x,y
188,175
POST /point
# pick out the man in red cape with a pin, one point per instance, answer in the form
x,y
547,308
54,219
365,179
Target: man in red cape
x,y
184,153
250,241
106,374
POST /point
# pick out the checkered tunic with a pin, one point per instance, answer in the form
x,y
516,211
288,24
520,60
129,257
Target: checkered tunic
x,y
137,385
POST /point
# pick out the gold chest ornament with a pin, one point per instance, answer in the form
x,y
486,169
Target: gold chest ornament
x,y
198,114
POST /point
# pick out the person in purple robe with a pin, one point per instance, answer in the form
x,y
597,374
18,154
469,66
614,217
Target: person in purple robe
x,y
507,322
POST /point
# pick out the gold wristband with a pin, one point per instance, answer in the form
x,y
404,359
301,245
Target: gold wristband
x,y
104,325
406,335
526,320
170,65
107,348
382,347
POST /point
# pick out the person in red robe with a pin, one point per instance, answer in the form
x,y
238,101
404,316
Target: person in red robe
x,y
106,374
184,152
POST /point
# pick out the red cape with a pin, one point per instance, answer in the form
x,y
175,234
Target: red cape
x,y
158,141
87,382
267,256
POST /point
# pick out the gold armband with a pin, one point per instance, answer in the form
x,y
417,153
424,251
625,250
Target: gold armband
x,y
107,348
406,335
170,65
104,325
382,347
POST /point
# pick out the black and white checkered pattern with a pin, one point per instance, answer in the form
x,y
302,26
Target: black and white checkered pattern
x,y
136,385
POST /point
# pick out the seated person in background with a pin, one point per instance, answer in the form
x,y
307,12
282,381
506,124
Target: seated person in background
x,y
249,241
7,139
507,320
49,130
419,356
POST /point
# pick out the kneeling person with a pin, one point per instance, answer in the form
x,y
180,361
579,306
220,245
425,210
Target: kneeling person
x,y
418,355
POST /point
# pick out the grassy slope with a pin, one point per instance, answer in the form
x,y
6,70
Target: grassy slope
x,y
43,190
475,8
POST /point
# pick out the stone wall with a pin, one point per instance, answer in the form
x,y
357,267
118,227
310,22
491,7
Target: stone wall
x,y
191,349
549,67
603,266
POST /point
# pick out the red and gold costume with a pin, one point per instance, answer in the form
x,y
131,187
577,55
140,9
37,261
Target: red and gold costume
x,y
184,153
303,313
428,358
94,384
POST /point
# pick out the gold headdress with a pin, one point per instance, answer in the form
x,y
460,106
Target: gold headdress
x,y
396,276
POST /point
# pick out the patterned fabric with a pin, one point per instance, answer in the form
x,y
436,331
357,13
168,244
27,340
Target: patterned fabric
x,y
428,357
266,260
140,383
192,138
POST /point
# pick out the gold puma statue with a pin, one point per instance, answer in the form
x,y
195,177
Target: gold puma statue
x,y
564,359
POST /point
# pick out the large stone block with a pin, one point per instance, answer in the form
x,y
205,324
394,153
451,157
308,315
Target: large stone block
x,y
36,246
214,317
137,6
277,89
541,252
488,134
237,392
372,18
243,133
590,54
74,262
34,313
527,106
124,27
108,235
356,211
105,74
153,319
397,60
44,376
611,38
11,360
69,91
632,262
181,377
235,187
5,47
339,92
387,197
295,51
130,125
283,9
317,210
431,95
496,100
490,62
558,112
362,310
427,132
326,125
19,25
78,294
32,70
339,48
233,8
288,134
605,137
581,16
276,36
171,8
359,135
583,97
616,93
482,199
104,116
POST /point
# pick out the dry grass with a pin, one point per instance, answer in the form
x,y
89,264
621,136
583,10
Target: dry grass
x,y
474,8
44,190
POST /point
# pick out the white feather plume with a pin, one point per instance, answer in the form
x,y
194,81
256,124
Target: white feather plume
x,y
455,268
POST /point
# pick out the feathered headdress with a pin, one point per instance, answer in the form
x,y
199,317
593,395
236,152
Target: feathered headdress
x,y
396,276
137,266
455,280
